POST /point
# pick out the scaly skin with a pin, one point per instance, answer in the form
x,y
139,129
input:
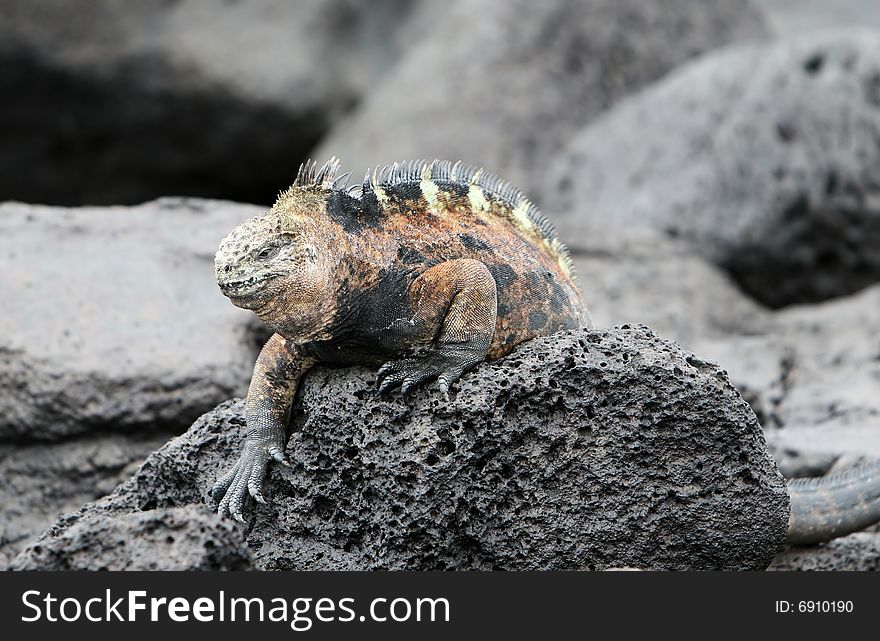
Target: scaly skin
x,y
828,507
427,271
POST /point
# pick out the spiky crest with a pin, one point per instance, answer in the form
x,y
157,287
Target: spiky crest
x,y
522,212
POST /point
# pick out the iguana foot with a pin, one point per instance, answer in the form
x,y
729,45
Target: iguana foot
x,y
245,477
461,296
447,365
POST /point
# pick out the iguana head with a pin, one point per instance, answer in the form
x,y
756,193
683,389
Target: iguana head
x,y
281,265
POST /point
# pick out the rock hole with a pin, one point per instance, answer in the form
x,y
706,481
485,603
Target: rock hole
x,y
826,259
323,507
831,183
785,132
872,88
814,63
445,448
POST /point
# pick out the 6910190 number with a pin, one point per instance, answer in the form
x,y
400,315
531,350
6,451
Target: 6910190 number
x,y
825,606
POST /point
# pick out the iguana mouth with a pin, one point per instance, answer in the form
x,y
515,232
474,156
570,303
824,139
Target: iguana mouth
x,y
245,287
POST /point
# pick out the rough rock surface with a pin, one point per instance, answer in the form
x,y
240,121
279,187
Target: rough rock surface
x,y
765,156
112,319
859,551
810,372
186,97
43,480
174,538
813,377
503,84
589,449
639,275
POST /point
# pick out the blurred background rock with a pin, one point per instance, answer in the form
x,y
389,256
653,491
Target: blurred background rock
x,y
713,165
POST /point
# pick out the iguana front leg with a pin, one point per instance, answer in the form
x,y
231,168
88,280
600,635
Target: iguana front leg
x,y
270,395
454,307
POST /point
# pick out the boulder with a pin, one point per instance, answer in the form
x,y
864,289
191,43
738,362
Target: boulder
x,y
764,156
856,552
640,275
113,320
119,102
41,481
181,538
809,371
812,377
583,450
504,84
801,16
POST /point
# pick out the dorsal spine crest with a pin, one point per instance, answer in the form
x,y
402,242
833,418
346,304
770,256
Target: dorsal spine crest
x,y
429,176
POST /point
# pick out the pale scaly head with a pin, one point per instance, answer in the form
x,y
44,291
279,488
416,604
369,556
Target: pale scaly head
x,y
282,265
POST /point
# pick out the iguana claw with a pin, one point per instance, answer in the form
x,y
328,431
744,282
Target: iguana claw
x,y
408,373
245,478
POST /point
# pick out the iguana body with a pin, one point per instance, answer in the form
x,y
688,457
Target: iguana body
x,y
427,269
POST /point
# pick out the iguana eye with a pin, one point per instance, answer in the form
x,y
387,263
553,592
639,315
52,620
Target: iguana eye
x,y
267,252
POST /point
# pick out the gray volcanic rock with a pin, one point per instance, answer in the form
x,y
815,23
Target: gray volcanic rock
x,y
44,480
799,16
764,156
856,552
504,84
639,275
181,538
810,372
119,102
587,449
812,377
112,319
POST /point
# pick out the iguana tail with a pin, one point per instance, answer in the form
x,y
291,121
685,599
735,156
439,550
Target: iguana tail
x,y
830,506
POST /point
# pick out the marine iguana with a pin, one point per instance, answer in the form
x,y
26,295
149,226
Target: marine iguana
x,y
427,269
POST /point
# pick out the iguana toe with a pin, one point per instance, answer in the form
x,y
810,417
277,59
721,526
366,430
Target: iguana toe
x,y
406,373
245,479
409,373
223,483
278,455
